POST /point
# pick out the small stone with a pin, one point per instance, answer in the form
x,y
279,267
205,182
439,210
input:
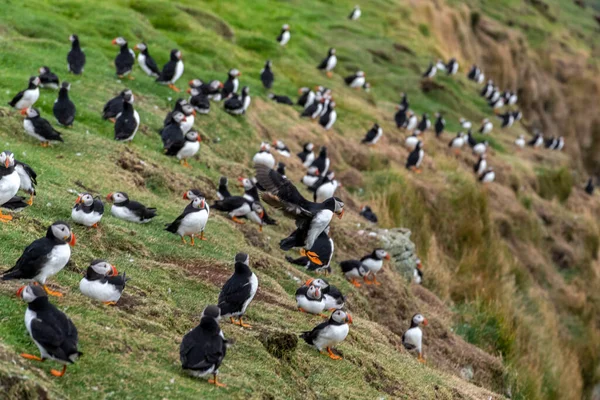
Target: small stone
x,y
48,204
78,154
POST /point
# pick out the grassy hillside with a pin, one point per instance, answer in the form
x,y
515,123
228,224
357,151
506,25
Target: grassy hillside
x,y
512,275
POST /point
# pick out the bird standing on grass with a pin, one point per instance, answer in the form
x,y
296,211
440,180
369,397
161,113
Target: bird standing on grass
x,y
330,333
88,211
64,110
9,181
75,57
412,339
27,98
328,63
125,58
284,35
129,210
239,291
192,221
102,282
172,70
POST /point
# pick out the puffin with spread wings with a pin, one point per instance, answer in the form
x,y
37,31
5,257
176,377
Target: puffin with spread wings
x,y
311,218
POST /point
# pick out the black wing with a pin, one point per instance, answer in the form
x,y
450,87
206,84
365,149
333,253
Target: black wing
x,y
370,136
323,64
151,64
173,226
349,265
310,336
233,295
28,170
45,129
113,107
56,333
230,203
283,193
76,60
125,125
31,261
16,99
167,72
141,210
118,281
173,139
98,206
267,78
413,157
349,79
233,103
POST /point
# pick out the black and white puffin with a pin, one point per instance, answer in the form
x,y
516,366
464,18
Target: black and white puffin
x,y
520,141
284,35
457,142
373,264
367,213
240,207
487,89
415,158
517,115
9,181
314,110
28,178
311,218
203,349
64,110
307,156
452,66
281,148
325,188
329,333
401,117
322,162
561,143
238,291
329,62
266,75
39,128
232,83
125,58
311,177
488,176
356,80
589,187
212,89
199,101
251,194
188,148
145,61
323,248
186,108
307,97
44,257
404,103
465,124
281,99
353,270
551,143
192,194
223,190
264,156
470,140
238,104
127,121
537,141
424,124
480,166
310,300
102,282
430,71
172,70
486,126
88,210
114,106
481,148
75,57
27,98
508,119
418,272
129,210
440,124
328,119
355,14
373,135
412,339
334,299
412,121
192,221
48,79
51,330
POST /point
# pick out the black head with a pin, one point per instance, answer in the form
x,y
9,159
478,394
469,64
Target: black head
x,y
44,70
223,181
242,258
417,320
66,85
85,198
102,268
323,152
74,38
341,317
175,55
309,147
268,64
245,91
211,311
34,82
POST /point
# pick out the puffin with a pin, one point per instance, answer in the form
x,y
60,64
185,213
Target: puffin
x,y
470,140
48,79
306,155
412,121
186,108
51,330
537,141
231,84
39,128
129,210
172,70
372,263
88,210
145,61
334,299
199,101
498,103
128,120
517,115
102,282
440,65
251,194
27,98
238,104
480,148
281,169
355,13
203,349
457,142
486,126
192,221
488,176
281,148
192,194
404,104
418,273
430,71
9,181
520,142
508,119
367,213
488,89
114,106
412,339
172,134
28,179
324,248
481,165
75,57
44,257
264,156
328,63
473,73
356,80
415,158
561,143
125,58
328,119
329,333
440,124
373,135
239,291
266,75
284,35
281,99
401,117
589,187
551,143
325,188
239,206
322,161
452,66
310,300
510,98
64,110
311,177
314,110
307,97
187,149
465,124
311,218
212,89
424,124
223,190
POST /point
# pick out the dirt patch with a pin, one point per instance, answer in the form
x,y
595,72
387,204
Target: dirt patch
x,y
281,345
428,85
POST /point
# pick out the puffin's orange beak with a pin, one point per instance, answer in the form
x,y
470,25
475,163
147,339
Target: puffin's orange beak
x,y
240,181
184,119
221,85
317,173
78,200
73,240
114,41
109,197
190,83
387,257
135,47
185,196
425,322
6,163
20,291
113,271
349,318
24,111
202,203
317,292
299,91
309,281
340,215
239,74
189,91
194,113
262,215
199,138
419,266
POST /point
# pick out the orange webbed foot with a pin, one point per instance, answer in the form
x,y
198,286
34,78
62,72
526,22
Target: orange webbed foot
x,y
109,303
215,381
31,357
52,292
332,355
58,374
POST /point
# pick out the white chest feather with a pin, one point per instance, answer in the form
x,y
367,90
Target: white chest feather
x,y
57,259
193,223
414,337
188,150
253,288
372,265
285,37
9,186
318,225
83,218
29,98
187,124
331,335
178,71
331,63
264,158
309,159
99,291
310,306
359,81
125,213
326,191
332,119
411,142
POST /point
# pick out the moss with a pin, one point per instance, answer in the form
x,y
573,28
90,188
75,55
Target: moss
x,y
554,183
281,345
424,29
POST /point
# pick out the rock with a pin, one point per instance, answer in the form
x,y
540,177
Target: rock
x,y
279,344
467,373
401,249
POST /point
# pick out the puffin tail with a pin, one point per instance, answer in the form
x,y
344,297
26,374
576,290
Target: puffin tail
x,y
288,243
11,274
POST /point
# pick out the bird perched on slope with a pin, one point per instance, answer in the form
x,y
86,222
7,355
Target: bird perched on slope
x,y
367,213
239,206
114,106
322,162
129,210
353,270
355,14
128,120
356,80
373,263
172,70
51,330
311,218
203,349
307,97
314,110
284,35
44,257
125,58
457,142
415,158
537,141
480,148
28,178
239,291
520,142
281,148
172,133
488,176
102,282
88,211
306,155
328,119
186,108
589,187
373,135
280,99
9,181
145,60
27,98
39,128
232,83
486,126
330,333
264,156
334,299
418,272
64,110
75,57
325,187
310,300
238,104
266,75
424,124
440,124
480,166
199,100
48,79
212,89
329,62
412,339
192,221
452,66
430,71
323,247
